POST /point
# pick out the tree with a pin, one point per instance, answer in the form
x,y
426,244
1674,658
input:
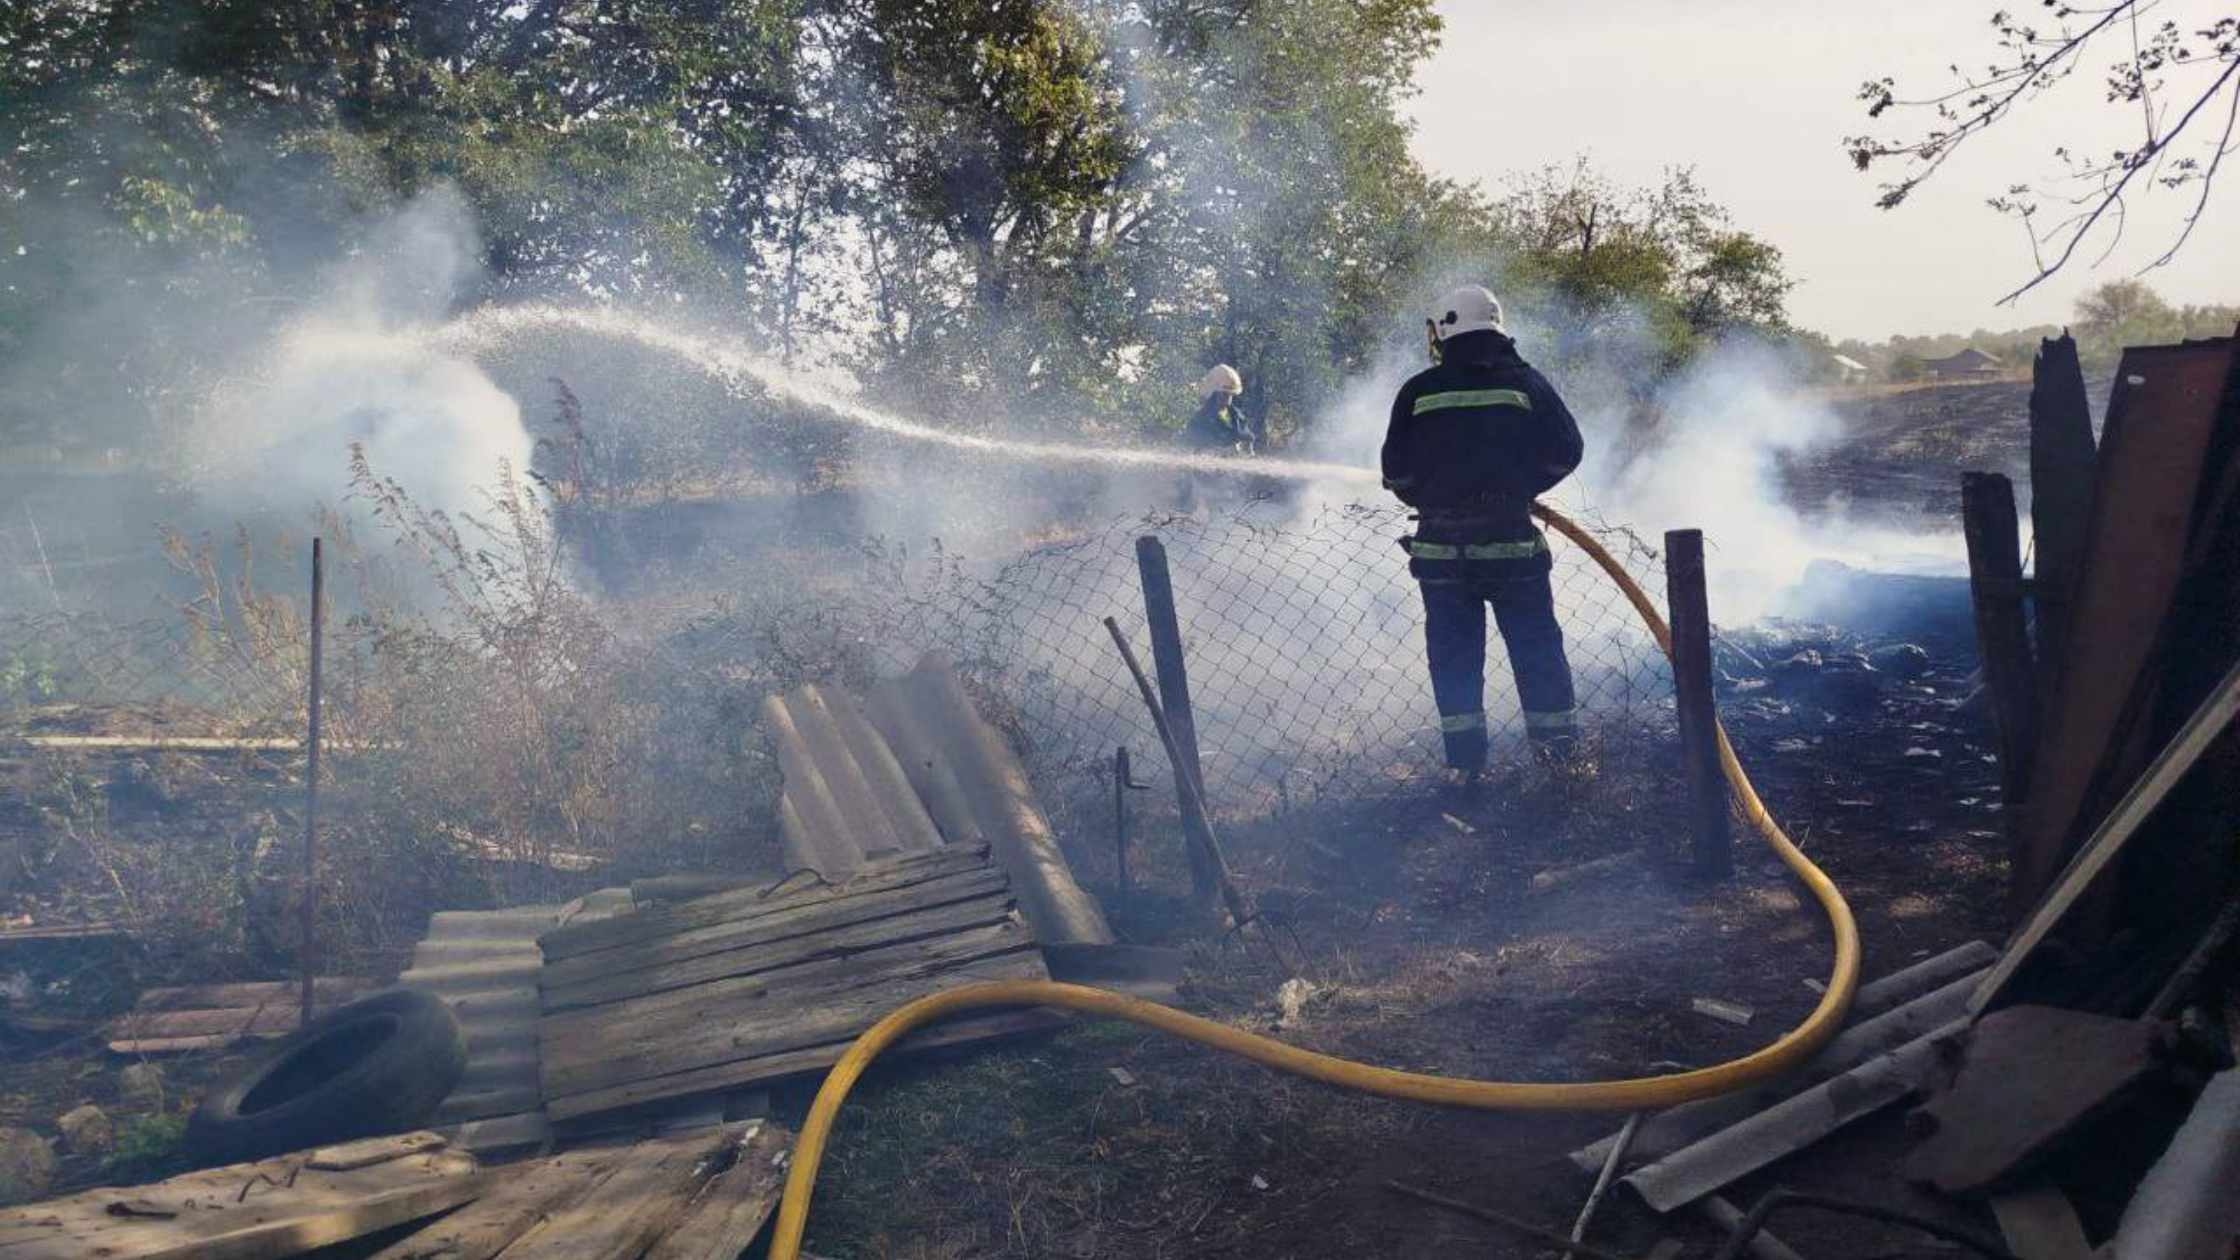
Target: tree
x,y
1662,262
163,159
2182,81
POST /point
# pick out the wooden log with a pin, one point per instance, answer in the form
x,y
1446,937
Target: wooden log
x,y
1203,841
367,1152
2061,465
1987,518
1168,663
788,1064
1710,829
772,989
2162,414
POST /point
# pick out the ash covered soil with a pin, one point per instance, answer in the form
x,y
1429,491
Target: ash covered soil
x,y
1424,944
1427,946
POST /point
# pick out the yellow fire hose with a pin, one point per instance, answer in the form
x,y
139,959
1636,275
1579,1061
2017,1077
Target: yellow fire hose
x,y
1638,1094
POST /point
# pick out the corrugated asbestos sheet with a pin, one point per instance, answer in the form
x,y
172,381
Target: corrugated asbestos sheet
x,y
910,768
741,988
484,964
846,798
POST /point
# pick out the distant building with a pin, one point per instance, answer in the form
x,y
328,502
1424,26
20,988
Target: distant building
x,y
1969,364
1848,370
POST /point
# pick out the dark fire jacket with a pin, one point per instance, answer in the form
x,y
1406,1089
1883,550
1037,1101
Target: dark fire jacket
x,y
1475,439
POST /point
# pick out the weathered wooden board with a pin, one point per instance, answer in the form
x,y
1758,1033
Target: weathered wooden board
x,y
2033,1076
325,990
261,1211
738,1020
639,1201
519,1196
839,943
2160,417
731,1208
660,922
797,922
745,986
198,1017
743,1073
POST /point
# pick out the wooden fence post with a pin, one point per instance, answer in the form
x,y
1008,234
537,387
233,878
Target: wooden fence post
x,y
1174,698
311,788
1711,835
1987,521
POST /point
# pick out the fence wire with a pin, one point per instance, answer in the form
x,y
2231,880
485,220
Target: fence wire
x,y
1304,644
1302,631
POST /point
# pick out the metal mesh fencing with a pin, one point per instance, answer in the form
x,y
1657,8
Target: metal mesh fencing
x,y
1302,631
1303,635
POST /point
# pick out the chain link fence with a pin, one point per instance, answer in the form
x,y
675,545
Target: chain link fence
x,y
1303,636
1302,630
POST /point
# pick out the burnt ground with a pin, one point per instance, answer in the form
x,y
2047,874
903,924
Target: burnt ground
x,y
1427,948
1430,950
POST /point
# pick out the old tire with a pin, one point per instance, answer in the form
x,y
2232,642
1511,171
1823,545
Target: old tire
x,y
380,1065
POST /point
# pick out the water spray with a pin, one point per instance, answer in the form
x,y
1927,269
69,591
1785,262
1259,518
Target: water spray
x,y
737,365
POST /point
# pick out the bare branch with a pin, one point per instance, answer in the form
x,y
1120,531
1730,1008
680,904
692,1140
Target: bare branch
x,y
2132,165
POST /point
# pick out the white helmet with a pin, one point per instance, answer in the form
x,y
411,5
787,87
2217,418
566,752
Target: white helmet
x,y
1222,379
1471,308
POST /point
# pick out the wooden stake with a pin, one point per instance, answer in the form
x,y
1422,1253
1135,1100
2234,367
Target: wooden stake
x,y
1204,847
1709,825
1174,700
311,787
1120,817
1987,519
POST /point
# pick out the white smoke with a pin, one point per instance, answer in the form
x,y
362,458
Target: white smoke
x,y
278,440
1712,462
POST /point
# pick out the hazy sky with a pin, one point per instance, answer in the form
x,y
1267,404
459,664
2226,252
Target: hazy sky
x,y
1758,96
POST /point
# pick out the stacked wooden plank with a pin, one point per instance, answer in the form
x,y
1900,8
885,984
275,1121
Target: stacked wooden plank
x,y
743,987
204,1016
484,964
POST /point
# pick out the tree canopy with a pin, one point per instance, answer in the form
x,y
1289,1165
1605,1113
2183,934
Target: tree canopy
x,y
1039,212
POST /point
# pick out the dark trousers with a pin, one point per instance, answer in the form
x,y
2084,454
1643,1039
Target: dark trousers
x,y
1454,632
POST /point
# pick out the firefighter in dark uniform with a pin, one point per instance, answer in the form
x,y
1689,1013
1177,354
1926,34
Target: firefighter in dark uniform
x,y
1219,425
1473,441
